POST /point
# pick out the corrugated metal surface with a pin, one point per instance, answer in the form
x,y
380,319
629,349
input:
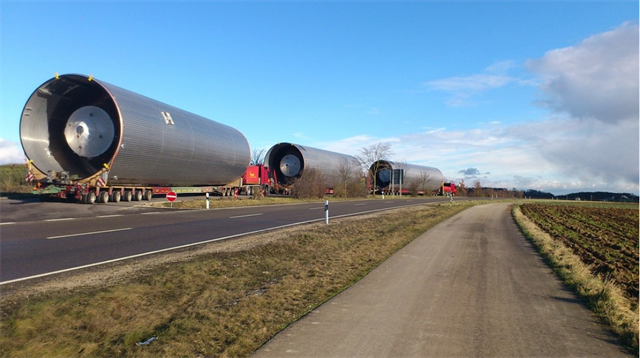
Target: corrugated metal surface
x,y
146,149
432,177
325,161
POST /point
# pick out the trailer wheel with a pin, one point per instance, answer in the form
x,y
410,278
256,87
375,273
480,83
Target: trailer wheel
x,y
128,195
91,197
138,195
104,196
148,194
115,196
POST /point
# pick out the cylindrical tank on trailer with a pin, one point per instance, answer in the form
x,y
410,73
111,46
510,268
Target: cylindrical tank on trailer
x,y
429,177
76,124
289,162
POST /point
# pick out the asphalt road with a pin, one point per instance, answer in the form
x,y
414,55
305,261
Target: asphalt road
x,y
470,287
42,238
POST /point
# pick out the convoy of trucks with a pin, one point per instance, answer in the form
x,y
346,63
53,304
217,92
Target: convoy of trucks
x,y
89,141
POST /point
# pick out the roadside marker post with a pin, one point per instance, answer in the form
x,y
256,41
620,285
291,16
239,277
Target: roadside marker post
x,y
326,211
207,201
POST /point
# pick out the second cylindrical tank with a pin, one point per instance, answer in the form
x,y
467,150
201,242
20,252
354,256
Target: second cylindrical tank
x,y
289,161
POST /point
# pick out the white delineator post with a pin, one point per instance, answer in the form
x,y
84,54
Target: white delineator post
x,y
326,211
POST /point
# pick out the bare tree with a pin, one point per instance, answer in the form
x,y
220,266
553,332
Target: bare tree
x,y
462,188
423,179
370,158
477,189
310,185
257,156
347,169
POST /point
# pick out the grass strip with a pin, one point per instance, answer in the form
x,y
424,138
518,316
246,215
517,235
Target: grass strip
x,y
216,302
603,296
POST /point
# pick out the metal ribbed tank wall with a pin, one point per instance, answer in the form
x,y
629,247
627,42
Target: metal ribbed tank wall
x,y
382,169
290,160
75,123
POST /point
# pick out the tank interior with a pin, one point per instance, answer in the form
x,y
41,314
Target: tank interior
x,y
288,162
382,170
70,124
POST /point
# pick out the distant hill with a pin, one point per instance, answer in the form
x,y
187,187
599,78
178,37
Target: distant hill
x,y
601,196
537,194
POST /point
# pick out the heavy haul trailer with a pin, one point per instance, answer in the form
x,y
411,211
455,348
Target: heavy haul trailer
x,y
88,140
288,163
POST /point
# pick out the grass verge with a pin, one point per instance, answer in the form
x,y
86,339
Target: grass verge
x,y
216,301
605,298
219,202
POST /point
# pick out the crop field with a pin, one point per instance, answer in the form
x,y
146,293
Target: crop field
x,y
605,236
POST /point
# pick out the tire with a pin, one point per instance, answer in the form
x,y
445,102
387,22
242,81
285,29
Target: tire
x,y
103,197
91,197
148,194
138,195
116,196
128,195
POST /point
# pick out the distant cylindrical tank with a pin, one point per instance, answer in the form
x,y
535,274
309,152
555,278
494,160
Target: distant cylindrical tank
x,y
289,162
429,178
76,124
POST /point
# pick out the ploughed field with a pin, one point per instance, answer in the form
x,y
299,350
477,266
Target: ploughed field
x,y
604,236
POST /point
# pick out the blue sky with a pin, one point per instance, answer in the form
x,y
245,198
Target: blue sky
x,y
527,95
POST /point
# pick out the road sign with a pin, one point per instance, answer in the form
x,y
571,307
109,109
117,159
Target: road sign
x,y
171,196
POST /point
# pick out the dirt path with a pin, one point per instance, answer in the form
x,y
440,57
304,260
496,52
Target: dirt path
x,y
470,287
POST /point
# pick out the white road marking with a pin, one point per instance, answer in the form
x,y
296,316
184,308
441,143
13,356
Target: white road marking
x,y
359,204
322,207
185,246
88,233
63,219
109,216
244,216
9,223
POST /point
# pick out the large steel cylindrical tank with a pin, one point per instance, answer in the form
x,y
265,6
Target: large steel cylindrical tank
x,y
76,124
289,162
429,178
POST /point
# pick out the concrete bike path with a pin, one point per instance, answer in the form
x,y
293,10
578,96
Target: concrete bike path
x,y
470,287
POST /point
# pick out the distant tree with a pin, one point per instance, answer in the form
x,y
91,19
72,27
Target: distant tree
x,y
414,188
423,179
462,188
257,156
477,189
369,159
310,185
347,171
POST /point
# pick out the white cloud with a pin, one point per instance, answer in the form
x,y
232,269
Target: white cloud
x,y
595,79
461,88
594,148
556,155
596,83
11,152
